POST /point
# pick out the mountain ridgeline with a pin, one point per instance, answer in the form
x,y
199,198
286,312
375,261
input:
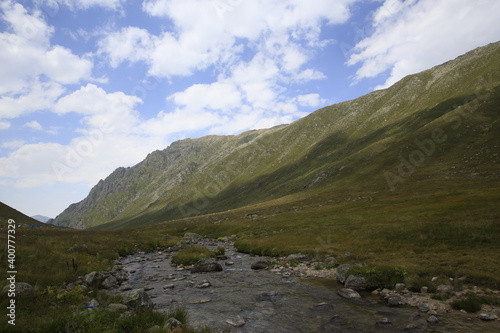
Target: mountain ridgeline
x,y
434,130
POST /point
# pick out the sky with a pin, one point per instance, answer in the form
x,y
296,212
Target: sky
x,y
87,86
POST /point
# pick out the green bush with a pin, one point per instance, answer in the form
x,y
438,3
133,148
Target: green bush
x,y
379,276
220,251
191,255
469,304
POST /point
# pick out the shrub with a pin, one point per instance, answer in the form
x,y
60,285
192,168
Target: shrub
x,y
220,251
191,255
379,276
469,304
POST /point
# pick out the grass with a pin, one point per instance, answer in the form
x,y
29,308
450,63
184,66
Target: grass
x,y
450,232
192,255
50,258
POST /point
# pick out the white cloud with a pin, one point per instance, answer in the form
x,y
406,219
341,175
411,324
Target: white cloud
x,y
4,125
83,4
311,100
38,96
33,71
108,112
411,36
34,125
12,144
210,32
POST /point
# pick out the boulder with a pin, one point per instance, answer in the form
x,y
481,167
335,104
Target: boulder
x,y
487,316
416,326
349,293
109,282
137,299
95,279
23,289
205,266
355,282
432,319
341,272
172,323
395,300
260,265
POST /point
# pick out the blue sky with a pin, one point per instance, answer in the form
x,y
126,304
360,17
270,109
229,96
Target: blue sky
x,y
87,86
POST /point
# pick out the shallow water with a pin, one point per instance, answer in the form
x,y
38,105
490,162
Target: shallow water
x,y
270,302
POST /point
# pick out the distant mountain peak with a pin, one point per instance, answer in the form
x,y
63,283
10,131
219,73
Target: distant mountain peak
x,y
41,218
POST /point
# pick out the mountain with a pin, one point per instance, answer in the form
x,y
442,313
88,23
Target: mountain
x,y
41,218
7,212
432,130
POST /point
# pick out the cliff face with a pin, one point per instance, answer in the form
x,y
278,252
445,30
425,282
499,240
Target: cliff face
x,y
414,131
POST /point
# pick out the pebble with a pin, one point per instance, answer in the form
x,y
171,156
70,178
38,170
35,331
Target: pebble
x,y
383,322
201,301
236,322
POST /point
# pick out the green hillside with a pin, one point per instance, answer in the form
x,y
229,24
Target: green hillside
x,y
435,130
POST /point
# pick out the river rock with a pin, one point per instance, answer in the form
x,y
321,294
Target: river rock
x,y
236,322
95,279
432,319
137,299
297,256
260,265
487,316
205,266
341,272
395,300
204,284
355,282
23,289
423,307
120,275
416,326
349,293
109,282
383,322
173,323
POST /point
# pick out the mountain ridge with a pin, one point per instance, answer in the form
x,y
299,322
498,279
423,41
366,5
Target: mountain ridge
x,y
335,148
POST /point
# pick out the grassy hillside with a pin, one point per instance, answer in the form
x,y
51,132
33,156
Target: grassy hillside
x,y
434,130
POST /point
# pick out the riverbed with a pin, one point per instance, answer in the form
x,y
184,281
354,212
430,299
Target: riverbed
x,y
239,299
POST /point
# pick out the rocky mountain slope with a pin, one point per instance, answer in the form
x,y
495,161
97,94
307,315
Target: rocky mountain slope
x,y
435,129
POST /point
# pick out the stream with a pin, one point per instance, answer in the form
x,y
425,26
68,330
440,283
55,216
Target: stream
x,y
240,299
